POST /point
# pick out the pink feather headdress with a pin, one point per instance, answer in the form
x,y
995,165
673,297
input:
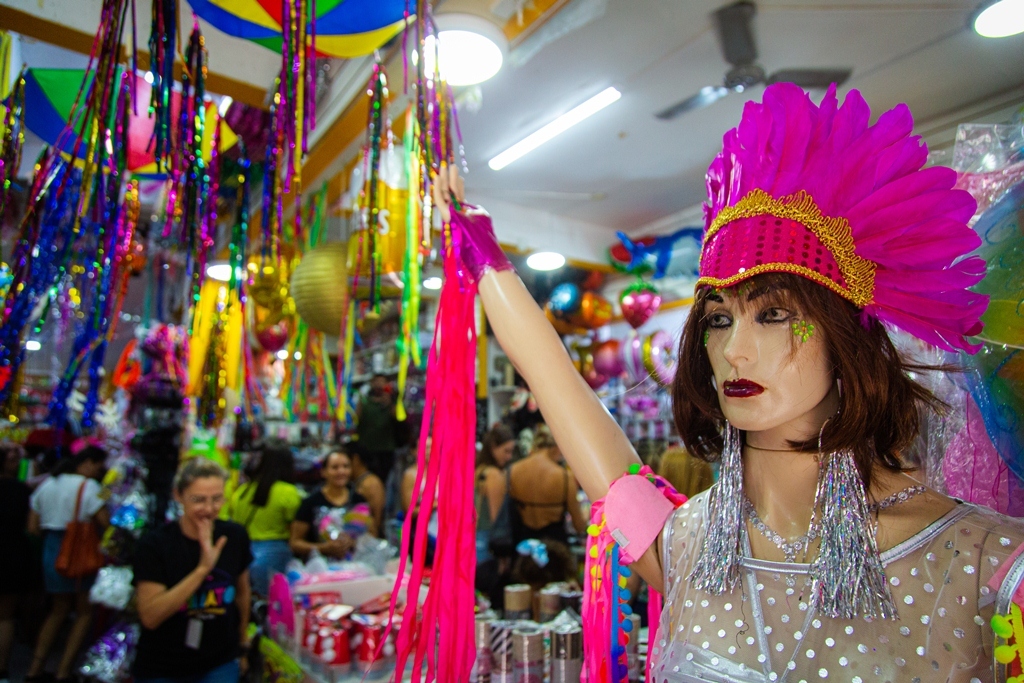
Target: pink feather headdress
x,y
817,191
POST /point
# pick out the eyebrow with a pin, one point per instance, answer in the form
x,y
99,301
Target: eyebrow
x,y
717,298
761,291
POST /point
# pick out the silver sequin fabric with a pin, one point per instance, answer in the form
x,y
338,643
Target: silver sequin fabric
x,y
767,630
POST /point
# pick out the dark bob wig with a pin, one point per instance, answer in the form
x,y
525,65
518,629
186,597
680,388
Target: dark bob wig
x,y
879,403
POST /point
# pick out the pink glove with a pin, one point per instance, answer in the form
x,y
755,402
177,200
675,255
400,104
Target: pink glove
x,y
479,248
635,511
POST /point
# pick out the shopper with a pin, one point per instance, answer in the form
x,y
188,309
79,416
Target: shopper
x,y
542,491
491,483
686,473
16,558
193,589
369,486
266,507
330,520
378,427
73,483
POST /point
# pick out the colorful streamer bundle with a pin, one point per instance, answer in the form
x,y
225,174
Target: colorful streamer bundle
x,y
297,86
107,266
12,138
449,423
162,42
378,92
605,598
408,340
67,205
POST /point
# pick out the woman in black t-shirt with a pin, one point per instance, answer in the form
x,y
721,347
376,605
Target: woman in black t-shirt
x,y
192,583
330,520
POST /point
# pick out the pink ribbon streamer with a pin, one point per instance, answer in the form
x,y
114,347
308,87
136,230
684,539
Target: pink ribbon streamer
x,y
450,419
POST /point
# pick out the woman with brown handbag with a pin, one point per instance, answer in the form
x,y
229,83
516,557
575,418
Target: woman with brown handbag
x,y
72,487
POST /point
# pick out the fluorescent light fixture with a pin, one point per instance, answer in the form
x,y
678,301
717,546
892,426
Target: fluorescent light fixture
x,y
225,104
470,50
432,283
545,260
219,271
1000,19
559,125
32,345
283,354
298,355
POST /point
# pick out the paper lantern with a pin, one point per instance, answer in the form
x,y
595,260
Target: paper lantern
x,y
319,287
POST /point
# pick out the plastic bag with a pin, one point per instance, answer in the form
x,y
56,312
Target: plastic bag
x,y
110,659
112,588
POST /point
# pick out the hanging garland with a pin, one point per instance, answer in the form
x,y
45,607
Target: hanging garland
x,y
162,43
12,139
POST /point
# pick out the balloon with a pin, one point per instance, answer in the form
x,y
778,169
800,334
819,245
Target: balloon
x,y
562,327
639,302
595,310
565,300
607,360
274,337
659,358
632,353
585,364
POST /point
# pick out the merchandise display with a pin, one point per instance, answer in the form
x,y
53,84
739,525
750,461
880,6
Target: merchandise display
x,y
389,340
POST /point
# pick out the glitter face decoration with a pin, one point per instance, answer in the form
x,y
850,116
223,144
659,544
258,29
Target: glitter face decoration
x,y
802,329
764,378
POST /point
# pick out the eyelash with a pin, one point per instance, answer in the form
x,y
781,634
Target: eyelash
x,y
762,318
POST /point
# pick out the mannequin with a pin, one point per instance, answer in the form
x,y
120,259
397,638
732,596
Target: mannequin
x,y
815,556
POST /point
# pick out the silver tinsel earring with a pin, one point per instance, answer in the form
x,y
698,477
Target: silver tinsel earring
x,y
849,579
718,568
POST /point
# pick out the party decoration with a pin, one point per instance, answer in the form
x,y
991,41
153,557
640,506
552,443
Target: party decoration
x,y
274,337
1002,232
342,28
12,135
318,287
659,358
595,311
605,598
667,255
639,302
607,358
802,330
110,659
585,364
631,352
565,300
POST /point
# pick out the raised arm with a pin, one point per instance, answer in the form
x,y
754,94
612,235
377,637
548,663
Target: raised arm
x,y
596,449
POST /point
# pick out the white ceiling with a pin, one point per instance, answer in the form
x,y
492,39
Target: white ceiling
x,y
624,168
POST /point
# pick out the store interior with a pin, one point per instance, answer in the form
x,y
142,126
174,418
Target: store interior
x,y
221,242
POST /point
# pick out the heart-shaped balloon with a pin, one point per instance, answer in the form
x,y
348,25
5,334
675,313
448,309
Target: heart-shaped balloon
x,y
607,360
639,302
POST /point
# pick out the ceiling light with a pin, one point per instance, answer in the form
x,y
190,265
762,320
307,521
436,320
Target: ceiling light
x,y
298,355
559,125
432,283
32,345
1000,19
225,104
148,77
545,260
470,51
283,354
219,271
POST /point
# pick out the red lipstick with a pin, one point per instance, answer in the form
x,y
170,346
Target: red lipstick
x,y
741,388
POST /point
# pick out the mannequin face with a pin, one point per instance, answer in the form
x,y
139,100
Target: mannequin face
x,y
768,379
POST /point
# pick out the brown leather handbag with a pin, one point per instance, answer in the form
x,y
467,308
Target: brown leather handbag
x,y
79,554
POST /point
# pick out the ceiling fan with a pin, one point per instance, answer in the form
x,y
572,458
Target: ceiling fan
x,y
736,37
